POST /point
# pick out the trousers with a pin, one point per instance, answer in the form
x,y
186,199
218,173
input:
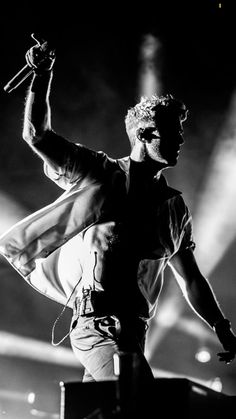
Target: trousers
x,y
95,341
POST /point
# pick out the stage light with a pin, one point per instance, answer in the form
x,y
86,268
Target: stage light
x,y
28,348
203,355
31,398
11,212
169,310
44,415
214,217
216,384
214,225
116,363
149,73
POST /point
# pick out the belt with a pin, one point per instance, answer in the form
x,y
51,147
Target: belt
x,y
92,303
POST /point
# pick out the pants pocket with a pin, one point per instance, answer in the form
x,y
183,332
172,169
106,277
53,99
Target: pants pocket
x,y
93,331
108,326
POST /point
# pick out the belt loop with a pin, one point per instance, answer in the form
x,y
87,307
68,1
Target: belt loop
x,y
83,305
92,302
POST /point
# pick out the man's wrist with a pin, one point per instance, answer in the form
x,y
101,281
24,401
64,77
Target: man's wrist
x,y
42,71
41,79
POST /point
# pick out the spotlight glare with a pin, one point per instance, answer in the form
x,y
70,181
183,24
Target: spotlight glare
x,y
116,363
149,78
31,398
28,348
203,355
216,384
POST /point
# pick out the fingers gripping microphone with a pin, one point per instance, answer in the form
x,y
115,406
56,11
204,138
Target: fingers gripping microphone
x,y
23,74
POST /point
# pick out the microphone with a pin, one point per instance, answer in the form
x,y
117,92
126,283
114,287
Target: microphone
x,y
26,71
23,74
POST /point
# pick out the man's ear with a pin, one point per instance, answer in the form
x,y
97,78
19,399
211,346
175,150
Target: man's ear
x,y
140,134
145,135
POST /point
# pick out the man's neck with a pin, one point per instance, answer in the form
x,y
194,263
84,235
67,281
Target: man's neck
x,y
146,170
145,164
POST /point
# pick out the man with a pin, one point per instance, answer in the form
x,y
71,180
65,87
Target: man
x,y
102,247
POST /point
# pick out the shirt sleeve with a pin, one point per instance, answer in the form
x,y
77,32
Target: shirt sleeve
x,y
67,163
187,231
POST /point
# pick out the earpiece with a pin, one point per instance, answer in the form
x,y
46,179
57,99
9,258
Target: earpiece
x,y
145,135
139,134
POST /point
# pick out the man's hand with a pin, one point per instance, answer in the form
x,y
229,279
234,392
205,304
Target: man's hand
x,y
228,340
40,57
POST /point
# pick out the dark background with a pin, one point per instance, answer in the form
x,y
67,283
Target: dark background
x,y
96,79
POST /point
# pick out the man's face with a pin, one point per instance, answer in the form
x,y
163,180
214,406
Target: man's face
x,y
164,140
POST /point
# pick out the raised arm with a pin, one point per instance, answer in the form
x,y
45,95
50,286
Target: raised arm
x,y
54,150
66,162
37,117
200,296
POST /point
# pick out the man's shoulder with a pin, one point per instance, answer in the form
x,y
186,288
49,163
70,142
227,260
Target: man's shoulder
x,y
168,190
109,162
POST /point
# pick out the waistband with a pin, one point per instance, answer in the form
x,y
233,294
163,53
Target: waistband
x,y
100,303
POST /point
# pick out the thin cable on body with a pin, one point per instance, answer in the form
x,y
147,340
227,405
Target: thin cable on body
x,y
64,308
58,318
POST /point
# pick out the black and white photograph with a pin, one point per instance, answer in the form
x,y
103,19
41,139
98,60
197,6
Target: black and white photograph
x,y
118,210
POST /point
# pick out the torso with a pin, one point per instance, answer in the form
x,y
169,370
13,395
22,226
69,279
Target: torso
x,y
106,256
125,257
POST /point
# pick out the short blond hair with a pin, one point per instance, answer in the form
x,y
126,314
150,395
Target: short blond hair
x,y
143,113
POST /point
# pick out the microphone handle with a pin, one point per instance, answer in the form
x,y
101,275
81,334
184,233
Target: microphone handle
x,y
25,72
